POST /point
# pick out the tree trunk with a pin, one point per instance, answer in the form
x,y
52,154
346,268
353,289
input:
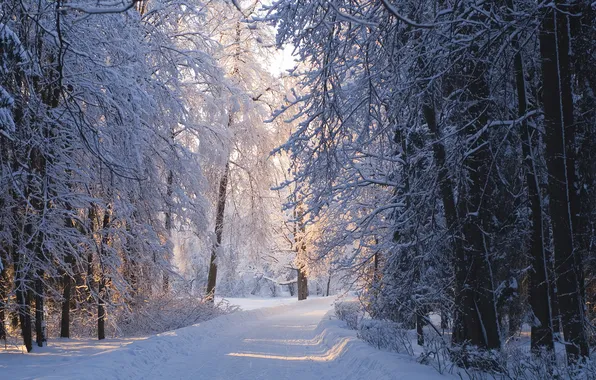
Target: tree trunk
x,y
467,326
328,285
65,317
480,315
583,209
219,224
419,329
92,225
300,247
168,225
39,312
23,301
558,117
101,313
302,284
3,300
542,331
23,292
39,294
67,282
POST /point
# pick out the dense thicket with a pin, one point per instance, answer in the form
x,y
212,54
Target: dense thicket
x,y
446,148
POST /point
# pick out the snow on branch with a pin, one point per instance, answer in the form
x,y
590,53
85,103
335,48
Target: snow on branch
x,y
396,13
109,8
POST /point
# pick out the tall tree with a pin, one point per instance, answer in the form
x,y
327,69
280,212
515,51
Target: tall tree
x,y
560,148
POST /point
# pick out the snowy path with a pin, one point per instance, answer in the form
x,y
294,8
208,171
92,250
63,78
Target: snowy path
x,y
297,341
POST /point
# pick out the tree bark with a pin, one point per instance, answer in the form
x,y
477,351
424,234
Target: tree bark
x,y
481,322
39,312
101,312
468,324
90,281
65,317
420,321
168,225
300,247
542,330
583,62
558,117
67,282
23,301
302,284
3,300
219,224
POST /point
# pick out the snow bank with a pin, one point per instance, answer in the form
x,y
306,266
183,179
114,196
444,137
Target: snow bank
x,y
361,359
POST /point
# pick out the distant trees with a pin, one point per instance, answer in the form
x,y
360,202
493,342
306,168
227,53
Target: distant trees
x,y
442,139
243,203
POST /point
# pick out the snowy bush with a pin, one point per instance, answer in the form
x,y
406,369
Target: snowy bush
x,y
436,353
350,312
144,316
386,335
518,363
160,314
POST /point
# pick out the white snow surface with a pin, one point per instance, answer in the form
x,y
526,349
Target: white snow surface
x,y
253,303
299,340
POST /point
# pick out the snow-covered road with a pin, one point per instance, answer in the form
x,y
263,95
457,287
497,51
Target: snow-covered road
x,y
297,341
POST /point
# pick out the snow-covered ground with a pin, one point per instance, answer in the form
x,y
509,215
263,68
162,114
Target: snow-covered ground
x,y
299,340
253,303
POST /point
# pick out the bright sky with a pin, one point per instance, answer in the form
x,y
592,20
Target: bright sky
x,y
283,61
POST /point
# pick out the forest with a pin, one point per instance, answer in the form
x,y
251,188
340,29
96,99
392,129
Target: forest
x,y
437,158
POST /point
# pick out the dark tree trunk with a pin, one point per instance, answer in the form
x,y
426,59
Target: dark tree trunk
x,y
101,312
480,326
168,223
542,331
474,309
101,290
67,282
560,139
420,321
451,217
219,224
90,280
328,285
66,295
39,314
584,209
552,291
3,301
300,247
377,275
23,301
302,284
39,295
